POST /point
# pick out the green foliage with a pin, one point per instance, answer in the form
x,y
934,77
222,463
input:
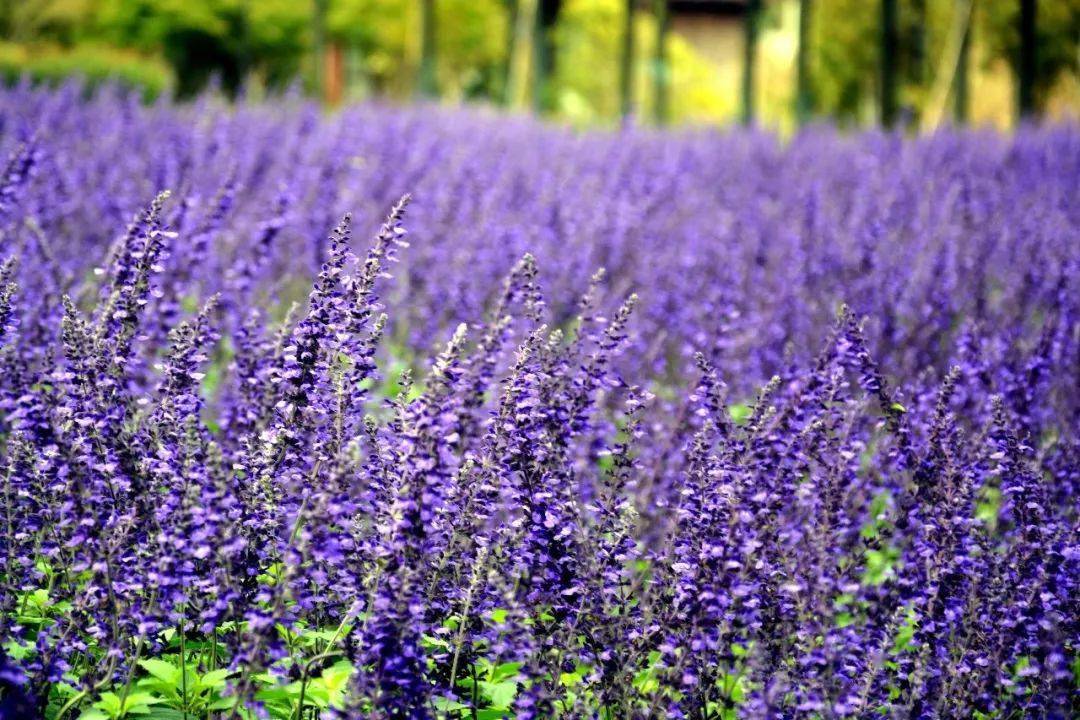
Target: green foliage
x,y
988,507
879,565
200,38
878,518
740,413
903,640
271,41
844,58
111,706
846,45
93,63
495,686
1057,27
182,687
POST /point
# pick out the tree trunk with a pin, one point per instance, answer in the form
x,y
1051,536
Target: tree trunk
x,y
547,13
888,62
512,9
429,84
318,46
661,72
1027,58
626,63
960,80
750,31
803,100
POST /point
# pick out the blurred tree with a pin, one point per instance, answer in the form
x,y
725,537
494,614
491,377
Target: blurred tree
x,y
513,8
960,79
429,82
543,67
803,100
386,36
838,60
201,38
471,46
1055,32
845,39
626,61
318,44
887,60
751,21
1027,57
662,77
379,32
590,34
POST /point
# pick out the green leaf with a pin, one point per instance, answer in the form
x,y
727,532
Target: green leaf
x,y
739,412
569,679
39,598
878,517
167,713
316,694
902,642
646,682
110,704
139,703
336,681
214,679
66,690
166,672
988,508
500,694
433,642
445,704
15,651
279,693
879,565
504,671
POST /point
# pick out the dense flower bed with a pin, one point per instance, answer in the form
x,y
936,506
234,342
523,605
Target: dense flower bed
x,y
808,448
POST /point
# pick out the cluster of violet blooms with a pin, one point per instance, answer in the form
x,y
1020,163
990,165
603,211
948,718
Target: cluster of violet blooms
x,y
807,449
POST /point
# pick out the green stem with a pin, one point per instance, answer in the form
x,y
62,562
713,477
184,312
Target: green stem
x,y
70,704
183,667
324,655
458,641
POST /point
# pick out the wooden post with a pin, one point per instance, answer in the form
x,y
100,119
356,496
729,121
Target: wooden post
x,y
661,72
335,74
803,100
887,62
750,39
626,62
1026,90
429,83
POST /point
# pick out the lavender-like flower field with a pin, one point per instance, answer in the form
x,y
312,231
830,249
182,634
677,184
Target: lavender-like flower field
x,y
555,424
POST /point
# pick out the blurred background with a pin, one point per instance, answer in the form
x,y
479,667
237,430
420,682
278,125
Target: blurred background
x,y
776,63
